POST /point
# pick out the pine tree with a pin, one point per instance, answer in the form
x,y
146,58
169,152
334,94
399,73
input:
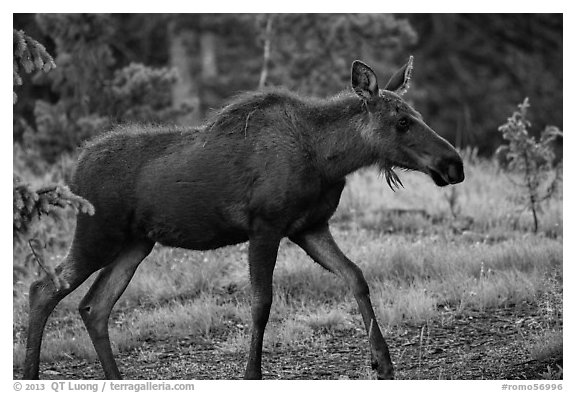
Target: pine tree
x,y
30,56
93,90
313,52
31,203
475,65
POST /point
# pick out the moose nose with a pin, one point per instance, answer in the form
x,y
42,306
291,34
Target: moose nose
x,y
455,170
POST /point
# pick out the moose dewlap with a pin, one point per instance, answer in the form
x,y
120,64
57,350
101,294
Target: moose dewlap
x,y
269,165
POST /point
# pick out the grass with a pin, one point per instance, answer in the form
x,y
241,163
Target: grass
x,y
553,373
546,344
462,250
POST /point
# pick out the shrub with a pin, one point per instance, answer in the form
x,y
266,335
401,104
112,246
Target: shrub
x,y
533,159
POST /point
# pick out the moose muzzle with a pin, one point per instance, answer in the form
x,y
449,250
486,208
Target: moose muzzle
x,y
448,170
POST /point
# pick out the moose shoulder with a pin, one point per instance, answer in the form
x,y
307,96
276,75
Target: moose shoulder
x,y
269,165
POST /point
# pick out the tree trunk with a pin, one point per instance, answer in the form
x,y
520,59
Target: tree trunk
x,y
209,72
185,91
208,41
266,55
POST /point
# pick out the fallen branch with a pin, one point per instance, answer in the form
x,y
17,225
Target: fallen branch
x,y
59,282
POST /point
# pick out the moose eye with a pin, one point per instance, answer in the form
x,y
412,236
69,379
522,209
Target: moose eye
x,y
403,124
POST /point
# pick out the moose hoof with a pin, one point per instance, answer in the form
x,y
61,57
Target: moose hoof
x,y
252,375
382,372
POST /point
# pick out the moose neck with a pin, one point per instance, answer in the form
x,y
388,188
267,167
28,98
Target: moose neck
x,y
338,142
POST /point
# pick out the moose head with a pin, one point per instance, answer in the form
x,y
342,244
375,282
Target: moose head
x,y
397,133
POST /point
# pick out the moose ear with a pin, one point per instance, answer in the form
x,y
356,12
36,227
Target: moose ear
x,y
364,80
399,82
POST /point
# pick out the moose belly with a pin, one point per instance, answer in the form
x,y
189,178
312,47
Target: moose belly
x,y
208,240
193,229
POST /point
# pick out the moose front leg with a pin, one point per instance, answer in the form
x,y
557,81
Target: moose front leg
x,y
322,248
262,253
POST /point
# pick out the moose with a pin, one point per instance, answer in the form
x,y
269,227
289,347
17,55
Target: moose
x,y
269,165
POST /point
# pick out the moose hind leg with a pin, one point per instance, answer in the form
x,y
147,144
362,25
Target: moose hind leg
x,y
320,245
43,298
96,306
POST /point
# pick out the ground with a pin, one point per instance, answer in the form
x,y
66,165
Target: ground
x,y
483,345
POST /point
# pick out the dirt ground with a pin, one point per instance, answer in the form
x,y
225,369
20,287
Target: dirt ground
x,y
483,345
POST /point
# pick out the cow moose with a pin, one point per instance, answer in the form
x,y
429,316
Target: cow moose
x,y
269,165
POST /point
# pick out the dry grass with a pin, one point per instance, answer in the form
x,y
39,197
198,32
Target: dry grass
x,y
547,344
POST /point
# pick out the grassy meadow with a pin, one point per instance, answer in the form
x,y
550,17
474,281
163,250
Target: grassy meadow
x,y
426,252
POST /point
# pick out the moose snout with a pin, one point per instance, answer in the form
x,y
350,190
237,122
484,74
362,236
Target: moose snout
x,y
454,170
447,170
